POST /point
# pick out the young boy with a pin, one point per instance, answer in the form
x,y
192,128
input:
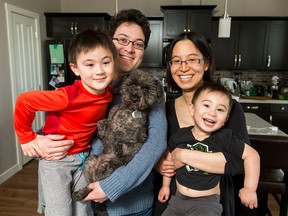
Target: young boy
x,y
198,191
72,111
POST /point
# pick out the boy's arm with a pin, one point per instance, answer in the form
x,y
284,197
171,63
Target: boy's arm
x,y
248,194
29,103
164,192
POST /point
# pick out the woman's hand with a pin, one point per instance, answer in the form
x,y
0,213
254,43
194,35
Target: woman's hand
x,y
165,167
97,194
49,147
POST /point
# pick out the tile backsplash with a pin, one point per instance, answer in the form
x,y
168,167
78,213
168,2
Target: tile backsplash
x,y
257,77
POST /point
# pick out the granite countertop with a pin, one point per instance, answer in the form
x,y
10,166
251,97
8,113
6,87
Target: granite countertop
x,y
261,99
258,126
272,101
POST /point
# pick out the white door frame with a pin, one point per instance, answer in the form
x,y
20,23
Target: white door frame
x,y
10,10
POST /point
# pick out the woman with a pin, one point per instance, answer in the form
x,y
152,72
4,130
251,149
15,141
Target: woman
x,y
190,64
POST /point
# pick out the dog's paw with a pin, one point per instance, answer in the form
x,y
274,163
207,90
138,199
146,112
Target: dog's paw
x,y
100,209
80,194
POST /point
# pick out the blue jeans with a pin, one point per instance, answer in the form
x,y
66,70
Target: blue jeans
x,y
146,212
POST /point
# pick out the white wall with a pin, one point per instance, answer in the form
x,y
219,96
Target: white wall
x,y
152,7
8,153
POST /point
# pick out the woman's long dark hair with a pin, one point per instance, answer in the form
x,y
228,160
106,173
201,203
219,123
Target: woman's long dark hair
x,y
202,45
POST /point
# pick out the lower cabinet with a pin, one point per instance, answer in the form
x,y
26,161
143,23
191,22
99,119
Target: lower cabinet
x,y
262,110
276,114
279,116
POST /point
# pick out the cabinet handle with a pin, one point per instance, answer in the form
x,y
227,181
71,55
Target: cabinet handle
x,y
269,61
72,28
270,119
76,28
252,107
188,30
184,30
239,60
235,60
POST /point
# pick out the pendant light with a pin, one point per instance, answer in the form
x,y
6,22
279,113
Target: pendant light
x,y
116,6
224,24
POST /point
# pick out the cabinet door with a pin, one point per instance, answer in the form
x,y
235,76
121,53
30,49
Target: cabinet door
x,y
276,58
279,116
153,52
252,44
225,49
200,21
60,27
262,110
175,22
82,23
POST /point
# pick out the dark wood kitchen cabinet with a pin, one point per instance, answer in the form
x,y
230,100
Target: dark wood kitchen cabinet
x,y
276,114
262,110
279,116
183,18
245,47
277,45
153,52
65,25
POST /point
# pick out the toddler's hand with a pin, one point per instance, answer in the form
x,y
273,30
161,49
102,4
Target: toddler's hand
x,y
248,198
163,195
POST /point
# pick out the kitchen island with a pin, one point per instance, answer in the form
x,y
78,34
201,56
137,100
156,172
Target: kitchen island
x,y
258,126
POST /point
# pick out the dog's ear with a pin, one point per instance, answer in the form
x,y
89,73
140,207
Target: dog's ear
x,y
160,90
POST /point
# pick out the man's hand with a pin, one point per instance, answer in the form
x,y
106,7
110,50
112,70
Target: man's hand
x,y
97,194
49,147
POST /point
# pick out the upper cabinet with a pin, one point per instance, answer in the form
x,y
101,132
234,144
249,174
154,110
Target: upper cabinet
x,y
183,18
245,47
65,25
153,52
254,43
276,58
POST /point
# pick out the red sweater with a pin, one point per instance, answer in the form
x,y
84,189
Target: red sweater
x,y
71,111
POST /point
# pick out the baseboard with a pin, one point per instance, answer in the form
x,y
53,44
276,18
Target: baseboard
x,y
10,172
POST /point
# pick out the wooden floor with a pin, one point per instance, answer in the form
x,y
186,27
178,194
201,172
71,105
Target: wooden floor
x,y
18,195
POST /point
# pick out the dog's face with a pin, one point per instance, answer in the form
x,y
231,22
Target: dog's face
x,y
141,90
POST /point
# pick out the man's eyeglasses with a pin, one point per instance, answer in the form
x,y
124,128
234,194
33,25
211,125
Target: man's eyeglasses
x,y
188,62
138,44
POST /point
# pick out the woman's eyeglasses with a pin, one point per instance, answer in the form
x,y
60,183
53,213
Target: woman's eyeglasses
x,y
188,62
138,44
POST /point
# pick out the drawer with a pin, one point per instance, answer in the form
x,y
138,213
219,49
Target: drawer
x,y
249,107
261,110
279,108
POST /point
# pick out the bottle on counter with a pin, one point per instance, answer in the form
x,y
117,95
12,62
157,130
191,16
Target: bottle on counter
x,y
275,87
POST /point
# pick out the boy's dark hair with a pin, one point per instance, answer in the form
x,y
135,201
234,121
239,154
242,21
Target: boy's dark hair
x,y
202,45
87,40
213,87
131,16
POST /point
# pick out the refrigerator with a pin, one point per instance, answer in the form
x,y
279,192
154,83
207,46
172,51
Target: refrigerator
x,y
58,72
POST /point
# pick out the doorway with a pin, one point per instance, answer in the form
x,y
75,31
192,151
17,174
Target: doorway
x,y
24,59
